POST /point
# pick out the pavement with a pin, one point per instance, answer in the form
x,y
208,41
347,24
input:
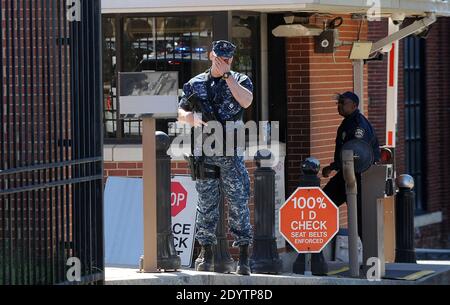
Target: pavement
x,y
425,272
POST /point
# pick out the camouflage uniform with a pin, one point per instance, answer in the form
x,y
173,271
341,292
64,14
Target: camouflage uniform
x,y
234,178
235,183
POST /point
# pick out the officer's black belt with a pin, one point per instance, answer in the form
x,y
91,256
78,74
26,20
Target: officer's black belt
x,y
210,171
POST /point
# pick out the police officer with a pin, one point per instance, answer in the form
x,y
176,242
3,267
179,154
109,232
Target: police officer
x,y
225,94
354,126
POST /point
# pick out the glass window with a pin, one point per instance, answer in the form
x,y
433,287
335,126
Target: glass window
x,y
155,44
245,34
109,76
169,43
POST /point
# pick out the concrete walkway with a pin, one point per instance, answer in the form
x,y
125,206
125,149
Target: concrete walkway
x,y
129,276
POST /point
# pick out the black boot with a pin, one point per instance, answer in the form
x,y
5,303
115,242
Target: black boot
x,y
206,264
243,266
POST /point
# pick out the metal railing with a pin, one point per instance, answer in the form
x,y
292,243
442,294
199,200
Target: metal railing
x,y
51,175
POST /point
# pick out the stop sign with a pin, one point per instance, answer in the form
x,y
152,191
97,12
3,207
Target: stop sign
x,y
178,198
309,220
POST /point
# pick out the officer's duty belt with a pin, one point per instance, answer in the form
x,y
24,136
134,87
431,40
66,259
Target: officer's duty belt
x,y
208,171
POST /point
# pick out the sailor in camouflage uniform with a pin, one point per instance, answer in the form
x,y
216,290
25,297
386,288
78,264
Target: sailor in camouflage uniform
x,y
225,94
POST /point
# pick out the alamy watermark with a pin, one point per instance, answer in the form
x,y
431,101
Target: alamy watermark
x,y
73,10
373,273
73,274
374,11
229,139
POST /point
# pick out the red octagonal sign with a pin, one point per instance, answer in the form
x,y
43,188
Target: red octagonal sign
x,y
178,198
309,220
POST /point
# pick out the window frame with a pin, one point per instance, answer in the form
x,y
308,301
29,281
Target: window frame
x,y
221,29
415,103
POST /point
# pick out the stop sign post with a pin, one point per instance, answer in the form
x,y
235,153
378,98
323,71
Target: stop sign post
x,y
309,220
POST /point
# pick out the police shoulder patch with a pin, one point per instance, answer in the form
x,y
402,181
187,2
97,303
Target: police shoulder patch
x,y
359,133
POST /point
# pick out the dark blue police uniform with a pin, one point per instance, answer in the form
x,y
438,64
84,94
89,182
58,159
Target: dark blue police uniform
x,y
355,126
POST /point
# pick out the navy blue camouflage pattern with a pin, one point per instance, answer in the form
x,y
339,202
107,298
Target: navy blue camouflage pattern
x,y
221,99
223,48
235,182
215,97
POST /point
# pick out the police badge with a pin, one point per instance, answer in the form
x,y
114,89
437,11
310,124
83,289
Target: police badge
x,y
359,133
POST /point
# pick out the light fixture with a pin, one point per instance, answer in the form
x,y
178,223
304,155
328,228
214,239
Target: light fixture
x,y
299,29
241,32
240,28
296,30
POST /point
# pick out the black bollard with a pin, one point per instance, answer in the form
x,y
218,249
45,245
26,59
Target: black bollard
x,y
308,178
167,255
310,169
265,258
223,262
404,220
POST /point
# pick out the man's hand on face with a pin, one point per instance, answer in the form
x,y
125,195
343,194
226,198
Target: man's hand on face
x,y
221,65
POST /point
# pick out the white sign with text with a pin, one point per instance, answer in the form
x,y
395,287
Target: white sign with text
x,y
184,210
124,222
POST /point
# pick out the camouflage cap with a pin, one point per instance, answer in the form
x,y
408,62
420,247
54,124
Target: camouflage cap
x,y
224,48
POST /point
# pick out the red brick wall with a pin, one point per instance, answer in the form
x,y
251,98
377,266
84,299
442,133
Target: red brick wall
x,y
123,169
313,79
134,169
431,236
298,107
377,83
437,135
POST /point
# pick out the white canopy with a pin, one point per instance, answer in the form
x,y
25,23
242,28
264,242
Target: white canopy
x,y
409,7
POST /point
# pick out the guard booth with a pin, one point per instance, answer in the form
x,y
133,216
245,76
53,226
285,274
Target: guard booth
x,y
51,172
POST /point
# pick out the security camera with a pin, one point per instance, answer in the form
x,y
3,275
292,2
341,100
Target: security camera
x,y
397,18
423,33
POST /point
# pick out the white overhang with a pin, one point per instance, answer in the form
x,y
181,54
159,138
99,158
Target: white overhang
x,y
409,7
